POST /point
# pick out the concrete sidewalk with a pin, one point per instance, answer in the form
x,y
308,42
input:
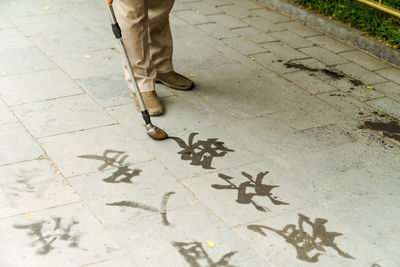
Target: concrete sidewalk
x,y
285,154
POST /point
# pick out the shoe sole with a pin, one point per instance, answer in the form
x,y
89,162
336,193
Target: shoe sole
x,y
173,86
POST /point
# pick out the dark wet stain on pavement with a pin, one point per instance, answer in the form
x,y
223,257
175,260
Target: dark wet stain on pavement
x,y
389,129
330,73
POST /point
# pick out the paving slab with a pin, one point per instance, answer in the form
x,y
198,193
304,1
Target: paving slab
x,y
331,44
273,240
37,86
17,144
387,105
65,149
389,89
62,115
90,64
69,235
30,59
392,74
287,132
5,114
33,185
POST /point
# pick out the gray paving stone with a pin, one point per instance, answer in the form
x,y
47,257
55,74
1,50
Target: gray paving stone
x,y
60,44
309,83
96,20
24,60
262,24
235,11
272,62
17,144
95,63
145,190
167,153
360,73
73,235
270,15
13,39
248,5
392,74
299,29
228,21
225,203
254,35
217,30
244,46
365,60
238,57
5,23
47,24
387,105
33,185
272,246
62,115
178,6
6,115
178,120
283,51
323,55
291,39
364,93
347,104
329,43
218,3
193,17
23,8
120,262
37,86
107,90
389,89
64,149
204,8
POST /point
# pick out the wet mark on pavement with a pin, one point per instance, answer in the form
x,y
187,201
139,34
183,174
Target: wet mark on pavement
x,y
201,153
136,205
46,233
114,158
305,242
196,256
260,189
389,129
330,73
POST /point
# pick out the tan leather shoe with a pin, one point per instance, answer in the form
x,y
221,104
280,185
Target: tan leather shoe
x,y
174,80
152,103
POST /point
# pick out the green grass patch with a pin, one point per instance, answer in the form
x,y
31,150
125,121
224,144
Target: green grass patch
x,y
374,22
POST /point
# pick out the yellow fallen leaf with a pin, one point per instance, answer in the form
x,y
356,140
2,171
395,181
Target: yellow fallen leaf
x,y
369,87
206,97
193,75
46,8
210,243
29,216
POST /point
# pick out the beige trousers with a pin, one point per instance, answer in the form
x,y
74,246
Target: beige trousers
x,y
147,37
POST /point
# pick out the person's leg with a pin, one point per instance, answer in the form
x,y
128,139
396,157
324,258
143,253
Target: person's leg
x,y
161,45
132,16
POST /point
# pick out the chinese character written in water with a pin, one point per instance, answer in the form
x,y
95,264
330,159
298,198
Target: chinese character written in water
x,y
201,153
304,242
137,205
196,256
114,158
260,189
46,236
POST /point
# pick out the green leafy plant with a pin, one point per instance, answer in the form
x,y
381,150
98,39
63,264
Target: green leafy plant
x,y
374,22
